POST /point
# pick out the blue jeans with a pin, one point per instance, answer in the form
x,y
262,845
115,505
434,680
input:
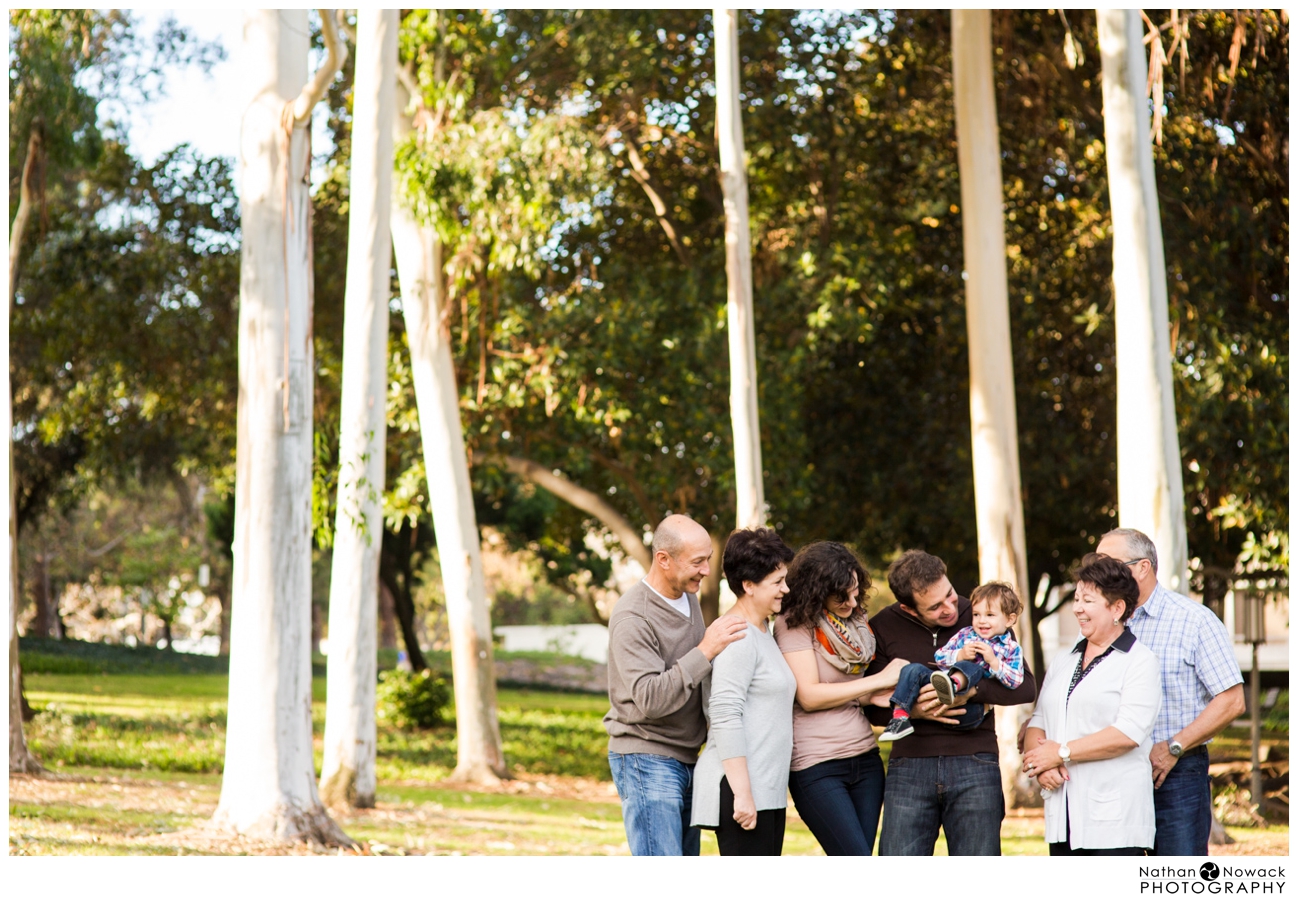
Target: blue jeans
x,y
960,794
915,677
839,800
657,793
1183,808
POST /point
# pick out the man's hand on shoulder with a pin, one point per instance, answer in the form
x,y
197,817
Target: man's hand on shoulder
x,y
723,632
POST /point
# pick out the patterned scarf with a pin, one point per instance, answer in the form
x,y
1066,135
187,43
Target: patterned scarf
x,y
846,644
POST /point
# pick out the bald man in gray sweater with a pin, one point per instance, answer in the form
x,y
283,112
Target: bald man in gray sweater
x,y
659,662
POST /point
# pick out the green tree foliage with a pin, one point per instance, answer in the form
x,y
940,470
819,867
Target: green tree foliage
x,y
609,362
121,348
123,340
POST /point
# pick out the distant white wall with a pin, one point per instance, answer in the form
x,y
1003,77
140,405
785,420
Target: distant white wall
x,y
586,641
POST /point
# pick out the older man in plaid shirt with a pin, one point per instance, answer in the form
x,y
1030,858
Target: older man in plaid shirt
x,y
1202,693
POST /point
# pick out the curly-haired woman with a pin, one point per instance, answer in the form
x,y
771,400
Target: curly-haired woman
x,y
837,775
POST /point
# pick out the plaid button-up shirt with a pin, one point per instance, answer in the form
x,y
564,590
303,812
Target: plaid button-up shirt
x,y
1195,654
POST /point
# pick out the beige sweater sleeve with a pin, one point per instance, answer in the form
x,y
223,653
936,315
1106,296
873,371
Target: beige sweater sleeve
x,y
656,690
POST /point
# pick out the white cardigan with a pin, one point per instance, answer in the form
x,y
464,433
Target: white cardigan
x,y
1109,802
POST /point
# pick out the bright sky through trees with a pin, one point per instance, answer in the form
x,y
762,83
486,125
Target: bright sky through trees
x,y
200,108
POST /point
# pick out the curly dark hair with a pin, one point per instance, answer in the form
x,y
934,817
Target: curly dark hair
x,y
913,571
751,554
1112,579
820,571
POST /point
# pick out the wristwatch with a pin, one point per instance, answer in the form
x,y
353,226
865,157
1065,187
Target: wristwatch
x,y
1174,747
1064,753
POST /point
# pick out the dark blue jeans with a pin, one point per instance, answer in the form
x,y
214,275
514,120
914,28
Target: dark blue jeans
x,y
915,677
1183,808
959,794
839,799
657,794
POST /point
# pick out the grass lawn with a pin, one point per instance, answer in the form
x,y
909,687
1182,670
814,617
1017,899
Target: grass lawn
x,y
135,763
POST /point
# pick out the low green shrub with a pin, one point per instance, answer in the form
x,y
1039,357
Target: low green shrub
x,y
47,664
412,699
47,656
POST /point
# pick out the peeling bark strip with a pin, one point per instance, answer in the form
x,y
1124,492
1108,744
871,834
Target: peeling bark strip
x,y
350,736
750,500
1150,493
419,269
998,497
269,788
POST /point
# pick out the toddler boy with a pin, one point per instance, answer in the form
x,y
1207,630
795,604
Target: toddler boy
x,y
985,649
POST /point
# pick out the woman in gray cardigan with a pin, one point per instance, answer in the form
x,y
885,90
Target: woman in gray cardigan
x,y
742,777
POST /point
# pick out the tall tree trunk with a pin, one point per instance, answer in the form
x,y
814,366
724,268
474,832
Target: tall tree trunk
x,y
28,195
350,734
20,759
1150,494
387,618
396,576
480,757
269,787
710,590
998,500
223,595
750,501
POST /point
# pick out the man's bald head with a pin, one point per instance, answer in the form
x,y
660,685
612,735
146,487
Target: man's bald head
x,y
681,550
675,532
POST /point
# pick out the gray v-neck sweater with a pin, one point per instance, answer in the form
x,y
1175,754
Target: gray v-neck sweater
x,y
657,677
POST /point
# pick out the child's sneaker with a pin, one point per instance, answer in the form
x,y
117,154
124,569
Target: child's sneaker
x,y
945,687
897,729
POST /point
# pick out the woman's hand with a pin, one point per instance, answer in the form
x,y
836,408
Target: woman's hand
x,y
892,671
1043,757
1053,779
745,810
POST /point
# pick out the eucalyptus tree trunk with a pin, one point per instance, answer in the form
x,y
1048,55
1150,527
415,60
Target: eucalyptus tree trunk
x,y
20,758
998,499
750,502
480,757
349,740
1150,493
269,786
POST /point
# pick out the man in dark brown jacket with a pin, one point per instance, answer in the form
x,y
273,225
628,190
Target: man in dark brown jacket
x,y
938,777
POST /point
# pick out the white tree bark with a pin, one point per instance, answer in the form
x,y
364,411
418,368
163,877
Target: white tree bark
x,y
20,759
998,499
480,757
269,787
348,776
1150,493
750,500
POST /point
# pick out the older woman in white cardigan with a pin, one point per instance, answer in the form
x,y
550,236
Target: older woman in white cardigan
x,y
1089,740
